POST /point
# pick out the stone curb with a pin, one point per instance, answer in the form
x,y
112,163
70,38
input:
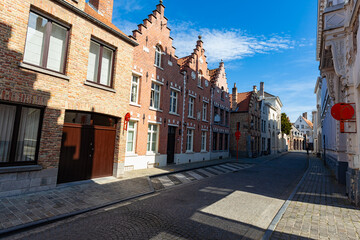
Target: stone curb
x,y
269,231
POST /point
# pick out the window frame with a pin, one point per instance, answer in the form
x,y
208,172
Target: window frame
x,y
158,53
203,141
47,35
137,88
134,139
112,70
151,138
204,109
151,98
15,135
171,101
192,107
190,144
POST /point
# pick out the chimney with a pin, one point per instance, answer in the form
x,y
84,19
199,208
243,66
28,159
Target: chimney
x,y
255,89
234,97
104,7
305,115
160,7
262,91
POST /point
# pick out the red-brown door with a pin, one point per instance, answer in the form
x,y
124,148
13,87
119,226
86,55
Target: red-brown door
x,y
103,154
86,152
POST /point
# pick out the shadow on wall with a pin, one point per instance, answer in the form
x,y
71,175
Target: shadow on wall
x,y
18,87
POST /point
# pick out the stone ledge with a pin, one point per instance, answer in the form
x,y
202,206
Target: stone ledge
x,y
44,71
16,169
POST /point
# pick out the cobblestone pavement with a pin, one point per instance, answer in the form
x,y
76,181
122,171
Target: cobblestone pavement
x,y
319,210
237,205
171,180
69,198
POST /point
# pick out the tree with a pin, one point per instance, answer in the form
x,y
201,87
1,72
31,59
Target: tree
x,y
285,124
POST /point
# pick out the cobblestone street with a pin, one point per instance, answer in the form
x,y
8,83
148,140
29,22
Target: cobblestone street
x,y
319,210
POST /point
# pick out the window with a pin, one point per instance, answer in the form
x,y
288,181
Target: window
x,y
302,126
46,43
200,75
226,142
204,112
155,96
173,101
191,106
297,126
203,141
134,90
216,116
221,116
131,137
190,140
19,132
158,53
215,141
226,118
152,141
222,93
221,137
100,64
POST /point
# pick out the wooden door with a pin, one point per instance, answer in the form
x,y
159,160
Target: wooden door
x,y
171,145
75,155
103,153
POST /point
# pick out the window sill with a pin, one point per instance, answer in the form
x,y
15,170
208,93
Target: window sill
x,y
131,155
90,84
155,109
152,154
202,151
189,152
135,104
15,169
175,114
204,120
158,67
44,71
200,87
192,117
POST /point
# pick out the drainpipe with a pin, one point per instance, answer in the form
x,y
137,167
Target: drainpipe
x,y
183,114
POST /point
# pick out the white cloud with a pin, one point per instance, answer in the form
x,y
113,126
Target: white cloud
x,y
226,44
127,5
126,26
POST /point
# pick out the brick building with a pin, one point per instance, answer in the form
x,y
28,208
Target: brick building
x,y
64,90
171,101
245,117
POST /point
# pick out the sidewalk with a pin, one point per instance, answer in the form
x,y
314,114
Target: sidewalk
x,y
319,209
66,200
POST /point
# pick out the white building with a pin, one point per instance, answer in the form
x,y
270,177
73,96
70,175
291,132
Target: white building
x,y
337,51
271,118
305,126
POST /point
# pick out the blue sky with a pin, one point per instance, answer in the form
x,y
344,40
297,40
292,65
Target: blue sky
x,y
270,41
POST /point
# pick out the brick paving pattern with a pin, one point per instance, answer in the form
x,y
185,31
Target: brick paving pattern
x,y
319,210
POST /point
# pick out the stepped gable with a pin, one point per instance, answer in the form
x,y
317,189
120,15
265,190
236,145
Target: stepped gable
x,y
214,73
218,77
197,60
156,20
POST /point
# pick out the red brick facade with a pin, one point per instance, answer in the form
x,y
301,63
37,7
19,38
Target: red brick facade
x,y
21,83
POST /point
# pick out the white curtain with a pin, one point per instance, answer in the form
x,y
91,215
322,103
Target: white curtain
x,y
7,118
57,48
28,133
93,62
35,39
106,66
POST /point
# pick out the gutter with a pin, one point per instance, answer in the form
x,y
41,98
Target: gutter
x,y
96,21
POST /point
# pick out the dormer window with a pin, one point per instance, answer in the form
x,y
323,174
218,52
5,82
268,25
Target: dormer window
x,y
158,53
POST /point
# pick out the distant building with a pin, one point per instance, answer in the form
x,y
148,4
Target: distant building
x,y
305,126
296,139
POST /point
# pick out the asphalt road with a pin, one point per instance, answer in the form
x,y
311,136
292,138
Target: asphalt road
x,y
237,205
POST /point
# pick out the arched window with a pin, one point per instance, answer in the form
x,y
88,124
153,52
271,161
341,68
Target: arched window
x,y
158,53
222,93
200,75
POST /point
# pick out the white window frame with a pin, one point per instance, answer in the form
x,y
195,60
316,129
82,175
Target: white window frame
x,y
203,141
191,107
152,96
134,139
137,89
151,131
200,75
190,140
158,53
204,111
173,96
